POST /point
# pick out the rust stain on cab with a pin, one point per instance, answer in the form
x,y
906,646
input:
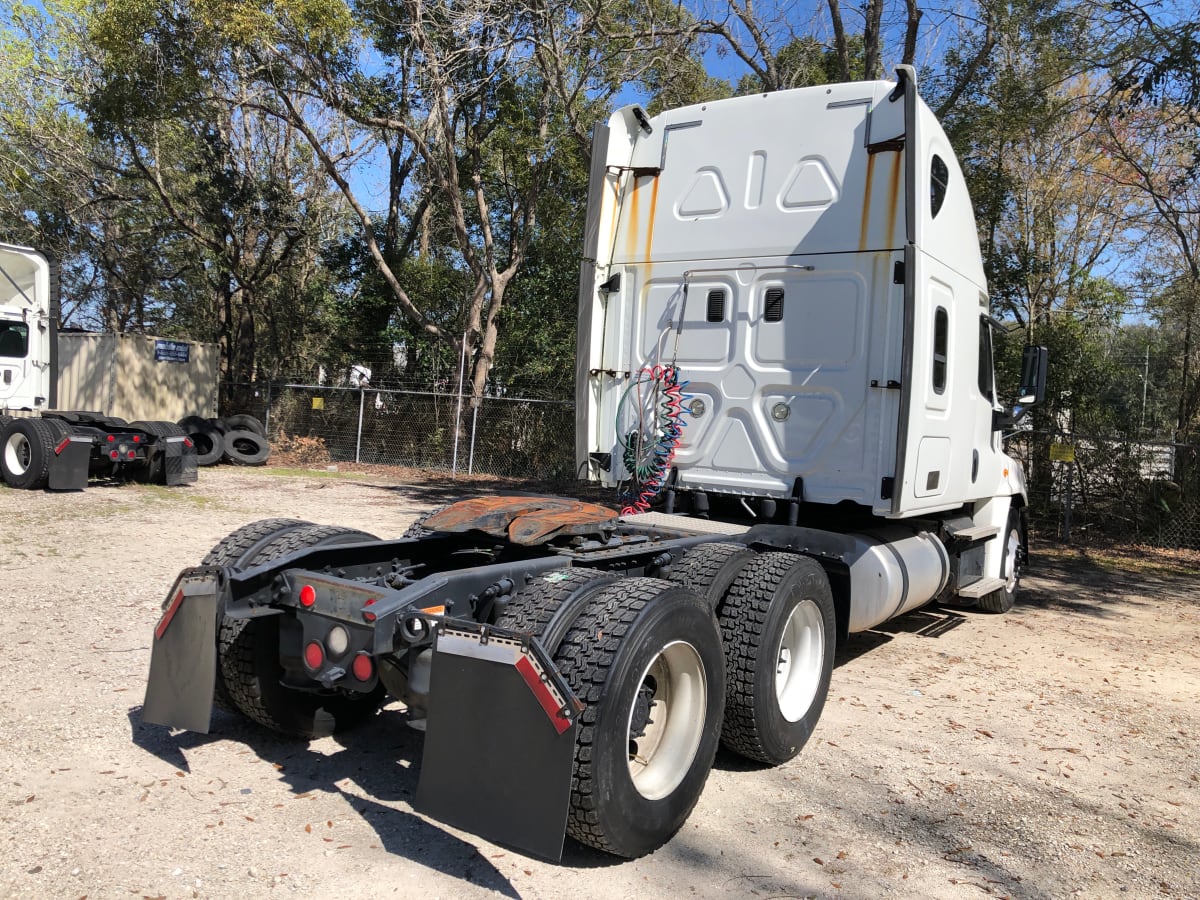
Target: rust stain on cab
x,y
650,220
866,210
631,241
893,198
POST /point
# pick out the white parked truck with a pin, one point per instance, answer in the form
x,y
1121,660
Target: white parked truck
x,y
785,369
41,445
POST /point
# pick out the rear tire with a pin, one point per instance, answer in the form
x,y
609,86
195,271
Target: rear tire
x,y
417,528
249,675
27,449
645,658
778,625
710,569
549,608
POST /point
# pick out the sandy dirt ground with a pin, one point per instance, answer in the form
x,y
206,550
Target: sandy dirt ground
x,y
1050,752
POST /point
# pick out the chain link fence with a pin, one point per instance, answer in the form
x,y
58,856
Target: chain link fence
x,y
1082,486
440,431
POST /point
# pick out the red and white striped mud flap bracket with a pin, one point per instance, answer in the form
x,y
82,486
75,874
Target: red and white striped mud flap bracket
x,y
500,739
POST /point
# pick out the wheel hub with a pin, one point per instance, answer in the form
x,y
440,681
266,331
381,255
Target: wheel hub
x,y
643,704
666,720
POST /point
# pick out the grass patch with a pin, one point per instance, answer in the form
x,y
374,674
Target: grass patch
x,y
161,493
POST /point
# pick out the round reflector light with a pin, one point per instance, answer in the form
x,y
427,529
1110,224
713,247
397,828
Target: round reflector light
x,y
132,454
363,668
308,595
115,454
338,641
314,655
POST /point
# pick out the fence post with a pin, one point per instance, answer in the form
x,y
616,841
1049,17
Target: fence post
x,y
267,414
362,393
471,458
462,364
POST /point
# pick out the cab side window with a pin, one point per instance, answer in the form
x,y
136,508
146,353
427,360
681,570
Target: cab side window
x,y
939,180
14,340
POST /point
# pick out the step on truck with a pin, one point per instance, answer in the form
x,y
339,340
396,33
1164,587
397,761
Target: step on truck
x,y
784,373
41,446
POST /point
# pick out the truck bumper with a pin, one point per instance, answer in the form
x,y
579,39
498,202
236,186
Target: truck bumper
x,y
183,658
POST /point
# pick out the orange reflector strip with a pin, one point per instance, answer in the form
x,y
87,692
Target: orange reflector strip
x,y
560,722
161,628
434,610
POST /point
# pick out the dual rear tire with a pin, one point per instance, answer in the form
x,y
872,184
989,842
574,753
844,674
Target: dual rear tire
x,y
27,450
665,677
778,630
250,677
644,656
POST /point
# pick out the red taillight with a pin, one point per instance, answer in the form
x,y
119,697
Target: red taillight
x,y
132,454
61,446
308,595
362,667
367,615
314,655
111,438
137,438
116,454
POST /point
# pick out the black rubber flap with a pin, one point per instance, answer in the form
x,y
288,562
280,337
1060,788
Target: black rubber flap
x,y
183,659
69,469
498,754
180,462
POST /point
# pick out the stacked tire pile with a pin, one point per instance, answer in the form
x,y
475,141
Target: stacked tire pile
x,y
240,439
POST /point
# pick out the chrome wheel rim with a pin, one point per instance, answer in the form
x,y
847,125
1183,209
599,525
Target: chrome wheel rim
x,y
17,454
799,660
1011,549
666,720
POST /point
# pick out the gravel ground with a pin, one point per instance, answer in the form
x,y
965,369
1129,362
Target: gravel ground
x,y
1050,752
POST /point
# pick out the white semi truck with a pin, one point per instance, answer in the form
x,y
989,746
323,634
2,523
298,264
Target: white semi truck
x,y
41,445
785,367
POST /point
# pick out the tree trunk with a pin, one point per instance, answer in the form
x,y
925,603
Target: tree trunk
x,y
910,33
872,51
841,49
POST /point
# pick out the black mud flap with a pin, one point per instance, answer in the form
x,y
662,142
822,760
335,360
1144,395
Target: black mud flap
x,y
179,462
183,659
69,466
500,740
